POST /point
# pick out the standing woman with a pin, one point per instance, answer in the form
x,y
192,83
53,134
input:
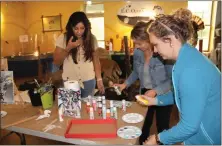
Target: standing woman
x,y
197,87
75,49
155,78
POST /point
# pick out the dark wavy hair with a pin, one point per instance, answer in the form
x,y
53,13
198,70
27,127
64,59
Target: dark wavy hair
x,y
88,43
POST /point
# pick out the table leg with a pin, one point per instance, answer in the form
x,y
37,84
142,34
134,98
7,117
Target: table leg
x,y
21,136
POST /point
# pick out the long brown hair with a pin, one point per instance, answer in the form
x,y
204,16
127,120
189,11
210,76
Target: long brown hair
x,y
88,43
139,31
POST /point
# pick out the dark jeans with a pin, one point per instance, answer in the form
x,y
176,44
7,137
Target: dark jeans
x,y
162,119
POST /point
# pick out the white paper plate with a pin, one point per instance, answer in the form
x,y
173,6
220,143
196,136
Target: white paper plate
x,y
129,132
132,118
3,113
119,104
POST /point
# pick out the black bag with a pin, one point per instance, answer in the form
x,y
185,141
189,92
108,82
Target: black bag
x,y
112,95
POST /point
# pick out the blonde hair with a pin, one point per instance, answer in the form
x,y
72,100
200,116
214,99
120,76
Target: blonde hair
x,y
183,13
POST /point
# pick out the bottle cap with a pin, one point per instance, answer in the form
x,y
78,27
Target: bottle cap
x,y
111,103
100,105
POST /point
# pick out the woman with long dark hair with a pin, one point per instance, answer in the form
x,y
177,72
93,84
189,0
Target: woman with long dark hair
x,y
75,49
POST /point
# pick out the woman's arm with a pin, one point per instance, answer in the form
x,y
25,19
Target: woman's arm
x,y
59,56
61,51
134,74
131,79
97,68
165,85
165,99
193,98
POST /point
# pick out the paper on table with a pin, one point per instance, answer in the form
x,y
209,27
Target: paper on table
x,y
24,95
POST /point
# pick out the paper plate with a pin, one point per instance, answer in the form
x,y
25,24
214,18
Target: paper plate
x,y
3,113
119,104
129,132
132,118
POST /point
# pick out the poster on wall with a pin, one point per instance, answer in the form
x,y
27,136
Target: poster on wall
x,y
51,23
7,88
133,12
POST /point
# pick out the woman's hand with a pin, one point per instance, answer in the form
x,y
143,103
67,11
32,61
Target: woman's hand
x,y
121,86
151,140
151,93
72,44
100,86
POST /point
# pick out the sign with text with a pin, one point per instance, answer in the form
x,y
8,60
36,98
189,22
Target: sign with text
x,y
133,12
23,38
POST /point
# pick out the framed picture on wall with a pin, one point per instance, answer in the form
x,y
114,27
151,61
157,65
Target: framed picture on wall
x,y
52,23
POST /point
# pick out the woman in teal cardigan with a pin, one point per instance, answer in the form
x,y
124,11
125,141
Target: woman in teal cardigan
x,y
196,86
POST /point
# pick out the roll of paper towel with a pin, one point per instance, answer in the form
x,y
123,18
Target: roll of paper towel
x,y
72,84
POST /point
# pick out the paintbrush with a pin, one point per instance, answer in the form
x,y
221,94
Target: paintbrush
x,y
37,83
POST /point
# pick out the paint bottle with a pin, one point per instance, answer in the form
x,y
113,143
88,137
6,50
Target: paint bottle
x,y
108,114
80,104
104,102
61,112
115,112
118,92
90,100
94,105
104,112
78,113
124,105
99,100
91,113
87,106
103,97
100,109
111,108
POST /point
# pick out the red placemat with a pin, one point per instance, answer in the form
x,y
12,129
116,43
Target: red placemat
x,y
98,128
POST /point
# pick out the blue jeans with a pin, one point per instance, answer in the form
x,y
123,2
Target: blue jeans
x,y
89,88
54,68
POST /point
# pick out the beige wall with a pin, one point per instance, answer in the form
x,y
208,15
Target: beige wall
x,y
12,25
114,27
25,18
34,12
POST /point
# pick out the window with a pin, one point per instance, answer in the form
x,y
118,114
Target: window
x,y
95,14
203,10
